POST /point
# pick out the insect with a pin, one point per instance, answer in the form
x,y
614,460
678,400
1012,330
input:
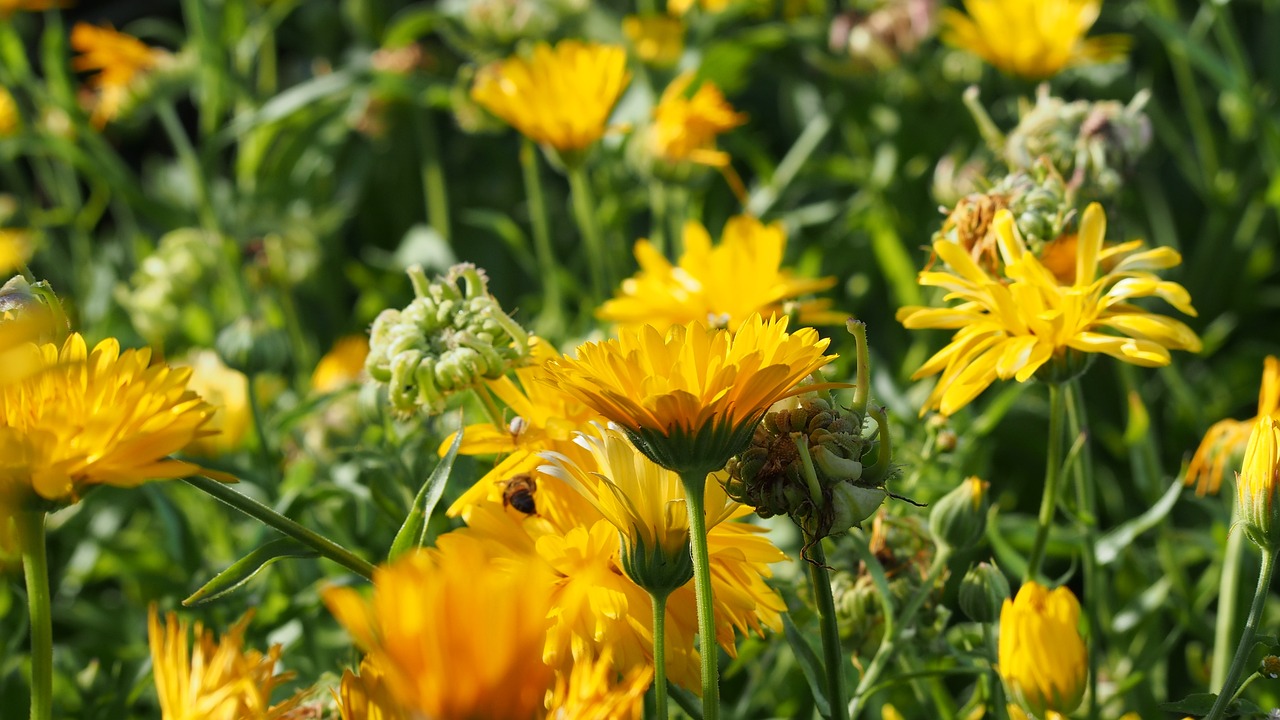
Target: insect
x,y
516,427
519,492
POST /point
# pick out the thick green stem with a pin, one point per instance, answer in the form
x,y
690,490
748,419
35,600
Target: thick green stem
x,y
552,304
1094,583
660,651
1245,647
695,489
893,635
1228,608
1052,477
832,656
258,511
584,212
35,566
434,190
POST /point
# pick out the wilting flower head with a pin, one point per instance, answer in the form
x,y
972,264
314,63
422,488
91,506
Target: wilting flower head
x,y
721,286
657,39
685,125
450,337
560,97
1042,656
342,365
691,399
101,417
227,391
1227,438
119,60
217,679
1035,39
455,635
1012,327
1258,484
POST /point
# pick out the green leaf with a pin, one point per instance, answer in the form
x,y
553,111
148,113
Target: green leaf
x,y
407,26
1202,703
413,532
246,567
1122,536
810,665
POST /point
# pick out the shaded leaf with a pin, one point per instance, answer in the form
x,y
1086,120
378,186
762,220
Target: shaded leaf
x,y
246,567
414,530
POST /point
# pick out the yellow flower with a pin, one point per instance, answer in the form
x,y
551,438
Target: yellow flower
x,y
589,692
217,679
101,417
1041,654
227,391
15,247
722,285
560,96
9,7
456,635
1011,327
10,120
1258,483
1017,713
1226,438
691,399
366,696
342,365
1035,39
657,39
119,60
681,7
685,126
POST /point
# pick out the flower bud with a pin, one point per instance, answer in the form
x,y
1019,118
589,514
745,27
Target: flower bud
x,y
983,592
1257,483
1042,657
252,347
959,519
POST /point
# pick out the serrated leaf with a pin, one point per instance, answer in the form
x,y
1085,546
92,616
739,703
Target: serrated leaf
x,y
809,664
246,567
413,532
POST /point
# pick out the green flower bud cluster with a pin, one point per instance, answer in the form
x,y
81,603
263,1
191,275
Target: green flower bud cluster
x,y
1092,144
168,280
1038,199
488,29
771,474
450,337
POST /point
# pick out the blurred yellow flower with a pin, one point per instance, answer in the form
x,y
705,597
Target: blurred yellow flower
x,y
10,120
722,286
1011,327
591,691
1257,485
456,635
217,679
366,696
1227,438
9,7
342,366
1034,39
118,59
685,126
1017,713
1041,654
15,249
561,96
227,391
101,417
657,39
681,7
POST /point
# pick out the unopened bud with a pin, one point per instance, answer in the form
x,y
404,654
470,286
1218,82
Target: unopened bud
x,y
252,347
959,519
983,592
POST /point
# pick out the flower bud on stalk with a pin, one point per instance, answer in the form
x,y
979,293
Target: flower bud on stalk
x,y
959,519
1257,484
983,591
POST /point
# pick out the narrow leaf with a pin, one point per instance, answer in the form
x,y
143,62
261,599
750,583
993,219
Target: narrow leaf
x,y
1111,545
413,533
246,567
810,665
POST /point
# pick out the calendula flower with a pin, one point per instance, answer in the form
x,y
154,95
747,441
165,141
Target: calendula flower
x,y
560,96
1042,656
1034,39
10,120
685,125
1227,438
1258,483
215,679
591,691
118,60
721,286
365,696
691,398
102,417
657,39
1015,325
227,391
15,249
342,366
455,635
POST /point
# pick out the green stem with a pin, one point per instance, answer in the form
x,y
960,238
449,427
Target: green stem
x,y
1228,607
658,215
1244,685
255,409
491,408
271,518
1245,647
434,189
584,212
1052,477
832,656
1086,498
815,131
678,213
892,637
190,161
35,565
552,304
695,489
660,651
